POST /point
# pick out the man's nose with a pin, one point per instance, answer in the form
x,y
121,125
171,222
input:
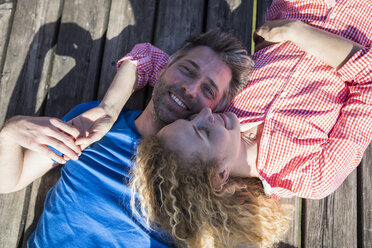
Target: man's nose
x,y
191,88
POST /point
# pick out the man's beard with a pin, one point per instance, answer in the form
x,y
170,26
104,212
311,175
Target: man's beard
x,y
163,113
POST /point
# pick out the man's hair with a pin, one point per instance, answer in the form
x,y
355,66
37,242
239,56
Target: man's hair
x,y
178,196
231,52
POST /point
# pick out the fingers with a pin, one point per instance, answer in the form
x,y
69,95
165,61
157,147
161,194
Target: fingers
x,y
74,132
52,155
59,146
90,139
64,139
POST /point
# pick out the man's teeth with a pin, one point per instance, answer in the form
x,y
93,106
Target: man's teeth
x,y
178,101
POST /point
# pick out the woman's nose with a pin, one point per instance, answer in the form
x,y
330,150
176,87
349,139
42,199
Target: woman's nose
x,y
205,115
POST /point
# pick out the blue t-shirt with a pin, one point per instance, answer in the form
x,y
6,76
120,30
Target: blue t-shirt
x,y
89,205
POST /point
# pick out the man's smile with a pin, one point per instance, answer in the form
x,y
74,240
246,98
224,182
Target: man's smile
x,y
178,101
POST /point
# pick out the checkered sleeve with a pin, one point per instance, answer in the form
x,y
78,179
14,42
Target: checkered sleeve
x,y
149,60
352,132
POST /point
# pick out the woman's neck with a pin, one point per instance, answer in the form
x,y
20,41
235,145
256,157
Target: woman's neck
x,y
246,165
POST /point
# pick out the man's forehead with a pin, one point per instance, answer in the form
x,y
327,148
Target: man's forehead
x,y
202,54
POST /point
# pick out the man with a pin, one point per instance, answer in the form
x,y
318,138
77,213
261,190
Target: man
x,y
89,205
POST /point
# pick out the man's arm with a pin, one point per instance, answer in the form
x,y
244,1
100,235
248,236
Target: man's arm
x,y
24,152
330,48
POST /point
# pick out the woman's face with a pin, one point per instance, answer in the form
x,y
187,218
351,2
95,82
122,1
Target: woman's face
x,y
212,136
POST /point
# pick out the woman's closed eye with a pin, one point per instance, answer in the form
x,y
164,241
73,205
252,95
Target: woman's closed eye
x,y
204,130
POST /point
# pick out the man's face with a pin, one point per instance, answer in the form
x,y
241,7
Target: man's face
x,y
197,80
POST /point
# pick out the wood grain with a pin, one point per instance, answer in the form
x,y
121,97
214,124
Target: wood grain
x,y
232,16
365,216
130,23
332,222
22,88
6,9
262,6
77,62
177,20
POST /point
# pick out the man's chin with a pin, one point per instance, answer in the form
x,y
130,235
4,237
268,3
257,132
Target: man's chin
x,y
168,117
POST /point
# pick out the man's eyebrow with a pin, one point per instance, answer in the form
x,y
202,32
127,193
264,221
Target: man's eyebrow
x,y
196,66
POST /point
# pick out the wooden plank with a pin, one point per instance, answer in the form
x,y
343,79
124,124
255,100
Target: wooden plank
x,y
365,217
233,16
291,240
74,77
130,22
24,73
6,9
77,62
332,222
262,6
177,20
23,80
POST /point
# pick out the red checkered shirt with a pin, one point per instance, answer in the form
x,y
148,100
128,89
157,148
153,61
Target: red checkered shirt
x,y
317,120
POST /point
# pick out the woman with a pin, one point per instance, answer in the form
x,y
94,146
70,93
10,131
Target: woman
x,y
181,180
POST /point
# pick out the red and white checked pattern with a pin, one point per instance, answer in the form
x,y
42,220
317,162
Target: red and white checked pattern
x,y
318,121
150,61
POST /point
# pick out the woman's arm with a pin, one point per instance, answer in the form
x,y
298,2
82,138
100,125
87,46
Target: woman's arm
x,y
96,122
137,69
330,48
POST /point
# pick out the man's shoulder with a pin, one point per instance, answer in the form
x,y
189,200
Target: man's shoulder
x,y
126,120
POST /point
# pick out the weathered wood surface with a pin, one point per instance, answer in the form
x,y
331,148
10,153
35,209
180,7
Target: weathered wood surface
x,y
22,89
332,222
6,8
231,16
61,53
177,20
262,6
130,22
365,200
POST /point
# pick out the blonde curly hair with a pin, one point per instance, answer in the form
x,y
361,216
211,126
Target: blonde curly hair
x,y
178,196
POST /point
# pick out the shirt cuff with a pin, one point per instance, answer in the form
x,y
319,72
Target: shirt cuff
x,y
355,64
149,61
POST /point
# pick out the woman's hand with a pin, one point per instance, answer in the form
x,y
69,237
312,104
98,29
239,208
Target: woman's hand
x,y
93,125
37,133
272,32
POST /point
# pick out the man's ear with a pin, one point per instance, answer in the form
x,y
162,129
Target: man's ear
x,y
160,73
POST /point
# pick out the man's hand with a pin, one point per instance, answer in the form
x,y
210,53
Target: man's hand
x,y
93,125
272,32
37,133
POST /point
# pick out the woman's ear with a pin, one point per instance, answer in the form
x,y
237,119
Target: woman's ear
x,y
221,177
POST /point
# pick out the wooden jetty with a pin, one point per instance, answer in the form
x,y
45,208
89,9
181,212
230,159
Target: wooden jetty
x,y
55,54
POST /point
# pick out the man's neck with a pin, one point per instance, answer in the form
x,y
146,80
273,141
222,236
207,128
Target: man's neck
x,y
146,123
